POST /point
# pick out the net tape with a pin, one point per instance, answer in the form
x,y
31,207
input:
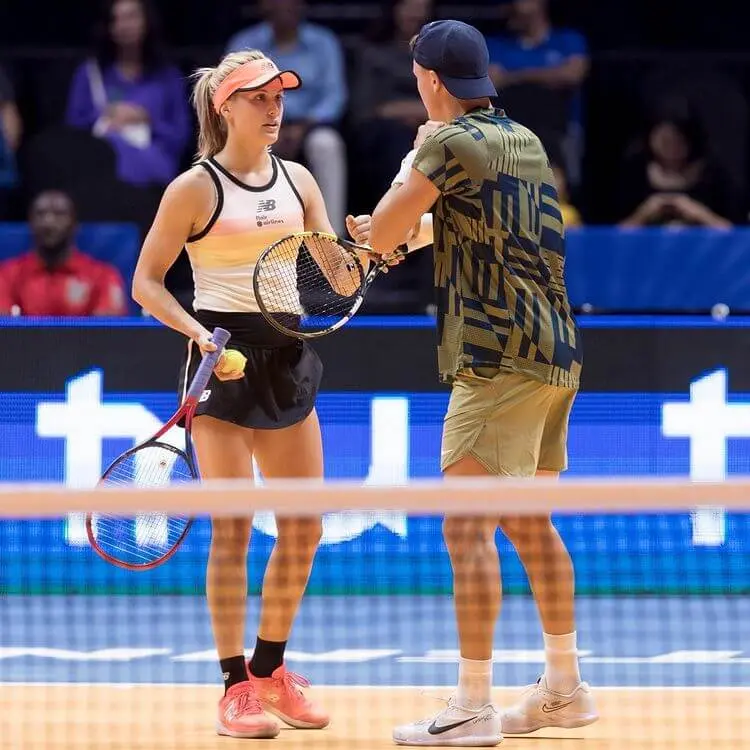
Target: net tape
x,y
301,497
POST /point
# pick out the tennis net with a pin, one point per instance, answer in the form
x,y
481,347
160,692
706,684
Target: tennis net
x,y
94,656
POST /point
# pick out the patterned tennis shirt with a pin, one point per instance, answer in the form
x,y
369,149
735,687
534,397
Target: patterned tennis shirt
x,y
499,252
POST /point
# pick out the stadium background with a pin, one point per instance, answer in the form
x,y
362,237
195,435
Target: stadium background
x,y
668,349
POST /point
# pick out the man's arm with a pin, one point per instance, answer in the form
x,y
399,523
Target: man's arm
x,y
570,73
109,297
399,211
7,287
409,198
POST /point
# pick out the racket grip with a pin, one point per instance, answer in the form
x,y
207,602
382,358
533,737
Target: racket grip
x,y
220,337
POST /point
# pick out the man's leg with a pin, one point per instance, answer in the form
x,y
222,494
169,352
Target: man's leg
x,y
470,719
559,698
550,571
477,592
473,430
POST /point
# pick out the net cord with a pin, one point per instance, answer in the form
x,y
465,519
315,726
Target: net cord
x,y
304,497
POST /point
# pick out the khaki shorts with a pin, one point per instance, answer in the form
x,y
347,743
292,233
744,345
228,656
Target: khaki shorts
x,y
511,424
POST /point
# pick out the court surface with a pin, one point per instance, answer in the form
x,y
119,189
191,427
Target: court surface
x,y
79,673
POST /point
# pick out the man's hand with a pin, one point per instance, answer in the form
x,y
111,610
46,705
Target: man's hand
x,y
426,130
359,230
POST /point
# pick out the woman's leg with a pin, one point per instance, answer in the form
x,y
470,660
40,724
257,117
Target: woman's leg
x,y
291,452
223,452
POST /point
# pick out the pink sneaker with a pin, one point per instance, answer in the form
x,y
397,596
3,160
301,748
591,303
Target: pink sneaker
x,y
281,694
241,714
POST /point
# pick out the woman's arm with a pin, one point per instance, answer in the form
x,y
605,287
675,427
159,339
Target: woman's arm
x,y
81,112
338,273
316,215
185,208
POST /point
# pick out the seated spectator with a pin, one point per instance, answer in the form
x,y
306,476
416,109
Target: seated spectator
x,y
129,94
538,71
386,108
312,112
55,278
674,180
10,139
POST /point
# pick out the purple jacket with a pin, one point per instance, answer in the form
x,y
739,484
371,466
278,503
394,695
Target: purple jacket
x,y
163,95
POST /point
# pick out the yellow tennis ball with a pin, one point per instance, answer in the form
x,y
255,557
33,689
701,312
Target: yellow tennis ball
x,y
231,362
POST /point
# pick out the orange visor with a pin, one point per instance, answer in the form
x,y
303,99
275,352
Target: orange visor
x,y
254,75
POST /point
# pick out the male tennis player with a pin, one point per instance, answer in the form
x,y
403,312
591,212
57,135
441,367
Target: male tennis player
x,y
512,352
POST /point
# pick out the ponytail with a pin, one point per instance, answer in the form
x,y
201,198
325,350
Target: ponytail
x,y
212,132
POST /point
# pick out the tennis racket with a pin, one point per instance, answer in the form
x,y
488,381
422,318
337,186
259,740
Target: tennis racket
x,y
310,284
144,541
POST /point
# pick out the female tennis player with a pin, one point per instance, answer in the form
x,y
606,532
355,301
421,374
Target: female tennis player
x,y
235,201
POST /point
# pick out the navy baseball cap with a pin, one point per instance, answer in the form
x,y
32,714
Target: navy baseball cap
x,y
457,52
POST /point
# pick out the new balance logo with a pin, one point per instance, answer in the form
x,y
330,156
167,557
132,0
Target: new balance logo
x,y
268,205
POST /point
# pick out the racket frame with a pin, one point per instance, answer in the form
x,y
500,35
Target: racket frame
x,y
187,411
353,250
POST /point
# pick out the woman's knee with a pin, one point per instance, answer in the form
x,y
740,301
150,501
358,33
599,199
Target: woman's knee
x,y
303,533
230,534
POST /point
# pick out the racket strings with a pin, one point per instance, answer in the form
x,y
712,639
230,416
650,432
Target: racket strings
x,y
312,278
143,538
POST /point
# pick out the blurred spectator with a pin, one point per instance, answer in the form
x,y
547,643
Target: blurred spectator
x,y
55,278
673,179
132,96
312,112
538,71
386,108
10,138
571,215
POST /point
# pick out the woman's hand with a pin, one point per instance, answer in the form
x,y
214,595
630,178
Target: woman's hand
x,y
359,228
206,346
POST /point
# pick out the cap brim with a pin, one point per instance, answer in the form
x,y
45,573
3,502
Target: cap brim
x,y
469,88
288,78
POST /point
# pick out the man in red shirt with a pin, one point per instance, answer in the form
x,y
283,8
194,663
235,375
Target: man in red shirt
x,y
55,278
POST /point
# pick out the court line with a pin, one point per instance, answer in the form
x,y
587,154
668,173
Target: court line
x,y
417,688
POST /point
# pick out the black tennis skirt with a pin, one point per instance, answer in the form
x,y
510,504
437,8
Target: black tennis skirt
x,y
282,375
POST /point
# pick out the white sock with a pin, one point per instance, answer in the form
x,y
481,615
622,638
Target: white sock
x,y
561,663
474,683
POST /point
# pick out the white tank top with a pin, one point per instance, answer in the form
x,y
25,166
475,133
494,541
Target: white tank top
x,y
245,222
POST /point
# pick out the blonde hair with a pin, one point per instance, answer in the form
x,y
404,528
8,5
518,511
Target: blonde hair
x,y
212,129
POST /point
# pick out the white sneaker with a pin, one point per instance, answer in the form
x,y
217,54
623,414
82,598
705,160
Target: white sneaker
x,y
540,707
453,727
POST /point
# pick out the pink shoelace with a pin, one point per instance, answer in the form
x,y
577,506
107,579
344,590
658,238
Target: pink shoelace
x,y
293,682
246,699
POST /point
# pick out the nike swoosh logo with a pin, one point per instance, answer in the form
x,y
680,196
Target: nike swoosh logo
x,y
556,707
435,729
